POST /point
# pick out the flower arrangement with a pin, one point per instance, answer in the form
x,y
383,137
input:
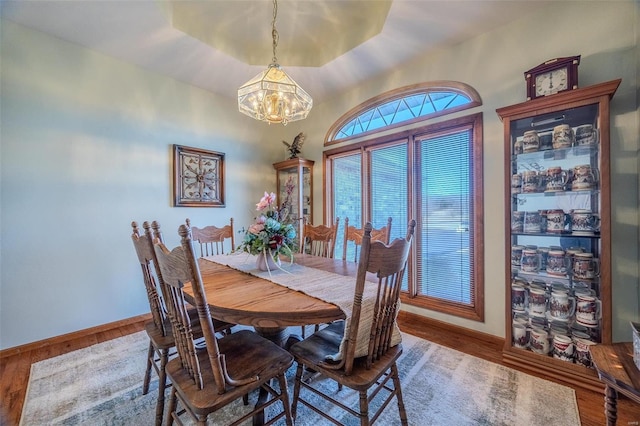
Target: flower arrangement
x,y
269,235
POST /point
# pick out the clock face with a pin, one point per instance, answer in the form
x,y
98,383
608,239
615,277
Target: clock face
x,y
551,82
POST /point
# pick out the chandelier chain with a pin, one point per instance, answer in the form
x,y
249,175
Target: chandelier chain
x,y
274,32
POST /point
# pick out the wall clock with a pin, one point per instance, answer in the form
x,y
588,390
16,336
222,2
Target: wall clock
x,y
198,177
553,76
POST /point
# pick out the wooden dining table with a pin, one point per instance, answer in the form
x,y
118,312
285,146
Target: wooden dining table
x,y
239,297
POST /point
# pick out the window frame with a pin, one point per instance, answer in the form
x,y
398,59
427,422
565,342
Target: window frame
x,y
473,122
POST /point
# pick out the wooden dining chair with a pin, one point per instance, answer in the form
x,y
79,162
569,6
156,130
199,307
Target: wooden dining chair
x,y
353,234
212,238
161,341
369,374
228,367
319,240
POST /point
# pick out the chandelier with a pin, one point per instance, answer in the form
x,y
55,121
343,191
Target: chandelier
x,y
272,96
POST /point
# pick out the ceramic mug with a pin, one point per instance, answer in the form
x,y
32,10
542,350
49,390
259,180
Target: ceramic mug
x,y
516,255
530,261
516,183
588,309
586,135
517,221
518,298
583,177
520,337
556,179
537,302
557,221
557,263
532,222
530,141
563,348
584,222
585,266
563,136
582,351
530,181
539,340
561,305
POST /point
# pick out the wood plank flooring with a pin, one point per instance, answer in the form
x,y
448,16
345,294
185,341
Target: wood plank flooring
x,y
15,367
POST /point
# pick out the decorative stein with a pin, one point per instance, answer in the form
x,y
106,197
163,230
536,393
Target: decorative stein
x,y
537,302
539,340
530,261
585,267
516,183
516,255
583,178
556,179
586,135
561,305
530,141
532,222
517,221
584,222
530,181
563,136
563,348
556,221
557,263
520,338
588,310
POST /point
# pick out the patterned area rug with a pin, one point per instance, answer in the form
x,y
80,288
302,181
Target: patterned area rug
x,y
102,385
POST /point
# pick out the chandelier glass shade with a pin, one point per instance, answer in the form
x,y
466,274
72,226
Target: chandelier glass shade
x,y
272,96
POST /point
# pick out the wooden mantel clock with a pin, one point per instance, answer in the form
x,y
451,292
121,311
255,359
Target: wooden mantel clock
x,y
553,76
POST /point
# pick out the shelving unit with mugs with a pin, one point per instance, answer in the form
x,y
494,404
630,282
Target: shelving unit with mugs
x,y
558,239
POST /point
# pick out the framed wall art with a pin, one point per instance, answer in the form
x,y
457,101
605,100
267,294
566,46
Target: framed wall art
x,y
198,177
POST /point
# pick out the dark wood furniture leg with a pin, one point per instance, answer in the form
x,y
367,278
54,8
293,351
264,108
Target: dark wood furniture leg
x,y
611,405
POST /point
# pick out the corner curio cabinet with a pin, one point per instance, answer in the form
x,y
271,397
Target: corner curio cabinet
x,y
295,190
558,232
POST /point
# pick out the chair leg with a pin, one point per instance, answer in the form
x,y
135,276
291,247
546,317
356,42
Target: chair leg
x,y
396,385
162,384
147,374
285,399
172,406
296,390
364,409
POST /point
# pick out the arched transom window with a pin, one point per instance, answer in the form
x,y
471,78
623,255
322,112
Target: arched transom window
x,y
403,106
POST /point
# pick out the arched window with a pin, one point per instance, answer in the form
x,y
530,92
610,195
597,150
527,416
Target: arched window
x,y
403,106
430,172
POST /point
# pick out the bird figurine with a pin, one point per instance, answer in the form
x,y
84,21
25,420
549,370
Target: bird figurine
x,y
295,147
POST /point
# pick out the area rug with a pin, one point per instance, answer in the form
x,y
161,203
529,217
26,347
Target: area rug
x,y
102,385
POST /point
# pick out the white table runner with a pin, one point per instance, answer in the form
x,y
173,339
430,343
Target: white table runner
x,y
323,285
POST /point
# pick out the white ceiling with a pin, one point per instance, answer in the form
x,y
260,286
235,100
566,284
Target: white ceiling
x,y
145,32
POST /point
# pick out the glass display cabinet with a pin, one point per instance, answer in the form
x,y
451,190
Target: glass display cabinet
x,y
295,190
558,232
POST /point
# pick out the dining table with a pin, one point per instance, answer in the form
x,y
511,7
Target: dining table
x,y
303,290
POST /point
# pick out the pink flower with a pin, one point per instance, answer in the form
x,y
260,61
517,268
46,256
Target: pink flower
x,y
256,228
266,201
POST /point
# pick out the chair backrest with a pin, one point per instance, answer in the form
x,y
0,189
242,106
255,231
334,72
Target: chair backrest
x,y
146,256
353,234
319,240
211,238
179,267
388,263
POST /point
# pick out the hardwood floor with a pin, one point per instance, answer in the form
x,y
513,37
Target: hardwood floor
x,y
15,365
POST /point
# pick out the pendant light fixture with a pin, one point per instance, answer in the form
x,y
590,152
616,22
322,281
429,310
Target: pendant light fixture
x,y
272,96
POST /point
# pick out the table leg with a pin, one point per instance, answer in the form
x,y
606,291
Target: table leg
x,y
610,405
281,337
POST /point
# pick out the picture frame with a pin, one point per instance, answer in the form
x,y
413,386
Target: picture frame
x,y
198,177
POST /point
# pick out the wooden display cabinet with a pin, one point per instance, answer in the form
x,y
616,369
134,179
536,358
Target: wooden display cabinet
x,y
559,194
295,176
